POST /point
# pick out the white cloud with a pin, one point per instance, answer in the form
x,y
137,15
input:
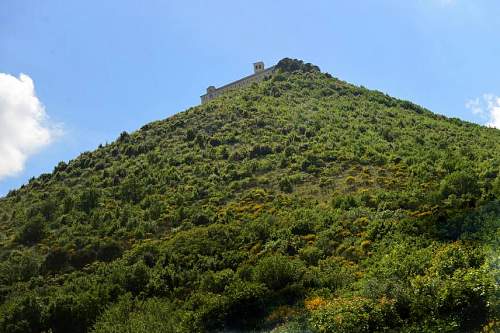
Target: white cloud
x,y
475,106
487,107
23,123
493,103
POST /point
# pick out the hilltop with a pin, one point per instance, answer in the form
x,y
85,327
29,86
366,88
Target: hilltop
x,y
301,203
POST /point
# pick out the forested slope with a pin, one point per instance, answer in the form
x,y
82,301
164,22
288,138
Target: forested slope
x,y
299,204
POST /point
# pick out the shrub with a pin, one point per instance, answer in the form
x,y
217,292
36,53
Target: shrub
x,y
109,250
76,309
246,303
22,314
277,271
131,315
88,200
190,134
291,65
496,187
216,281
260,150
56,260
124,137
19,266
286,185
310,254
462,184
32,231
82,257
351,315
136,278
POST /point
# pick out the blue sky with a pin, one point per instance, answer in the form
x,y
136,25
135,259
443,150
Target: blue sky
x,y
101,67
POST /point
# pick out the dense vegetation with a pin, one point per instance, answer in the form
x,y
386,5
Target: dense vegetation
x,y
299,204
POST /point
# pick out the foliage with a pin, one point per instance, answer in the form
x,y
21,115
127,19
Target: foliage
x,y
132,315
298,204
346,315
32,231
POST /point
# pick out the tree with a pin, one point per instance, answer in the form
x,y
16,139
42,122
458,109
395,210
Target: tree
x,y
32,231
461,187
89,199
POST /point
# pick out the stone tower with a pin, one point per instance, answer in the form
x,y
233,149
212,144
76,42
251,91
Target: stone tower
x,y
258,67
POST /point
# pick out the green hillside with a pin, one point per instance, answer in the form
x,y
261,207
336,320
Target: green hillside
x,y
298,204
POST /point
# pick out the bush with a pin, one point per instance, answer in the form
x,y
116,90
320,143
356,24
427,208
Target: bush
x,y
351,315
56,260
246,304
89,199
109,250
74,312
124,137
286,185
310,254
22,314
136,278
19,266
277,271
216,281
131,315
260,150
456,287
291,65
462,184
82,257
496,187
32,231
205,312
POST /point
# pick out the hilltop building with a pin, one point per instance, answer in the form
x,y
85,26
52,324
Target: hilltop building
x,y
259,73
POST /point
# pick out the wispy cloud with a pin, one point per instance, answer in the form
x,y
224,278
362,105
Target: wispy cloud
x,y
475,106
24,127
487,107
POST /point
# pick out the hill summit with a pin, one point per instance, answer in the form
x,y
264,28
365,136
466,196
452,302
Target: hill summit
x,y
300,203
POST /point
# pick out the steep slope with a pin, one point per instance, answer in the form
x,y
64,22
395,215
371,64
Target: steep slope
x,y
301,203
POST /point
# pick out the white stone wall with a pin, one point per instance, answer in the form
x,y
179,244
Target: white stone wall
x,y
257,77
